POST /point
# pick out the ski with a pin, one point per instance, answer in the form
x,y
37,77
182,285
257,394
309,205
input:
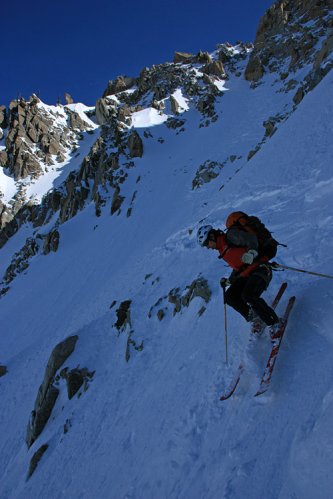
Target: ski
x,y
235,380
233,383
267,375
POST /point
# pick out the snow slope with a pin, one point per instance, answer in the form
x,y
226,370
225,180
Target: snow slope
x,y
154,427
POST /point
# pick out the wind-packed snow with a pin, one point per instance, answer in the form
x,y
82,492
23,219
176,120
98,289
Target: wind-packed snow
x,y
153,427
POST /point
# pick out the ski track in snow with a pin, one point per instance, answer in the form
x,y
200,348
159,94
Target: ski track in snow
x,y
154,427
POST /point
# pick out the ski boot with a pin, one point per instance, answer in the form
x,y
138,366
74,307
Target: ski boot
x,y
275,329
257,324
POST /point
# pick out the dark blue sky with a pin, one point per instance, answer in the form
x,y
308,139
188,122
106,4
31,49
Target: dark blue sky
x,y
52,47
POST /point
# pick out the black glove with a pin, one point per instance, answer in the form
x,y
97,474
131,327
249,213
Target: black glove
x,y
224,282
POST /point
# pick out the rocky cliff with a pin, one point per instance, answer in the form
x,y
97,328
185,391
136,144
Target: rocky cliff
x,y
290,36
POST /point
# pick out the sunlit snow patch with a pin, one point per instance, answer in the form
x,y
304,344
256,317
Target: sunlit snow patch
x,y
81,110
148,117
182,101
8,188
220,84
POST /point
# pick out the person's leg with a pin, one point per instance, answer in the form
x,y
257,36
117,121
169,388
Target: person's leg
x,y
255,285
234,297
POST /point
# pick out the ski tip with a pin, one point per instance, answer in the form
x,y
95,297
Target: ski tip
x,y
260,392
225,398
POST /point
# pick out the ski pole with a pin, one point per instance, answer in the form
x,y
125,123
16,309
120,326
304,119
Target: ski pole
x,y
278,265
223,285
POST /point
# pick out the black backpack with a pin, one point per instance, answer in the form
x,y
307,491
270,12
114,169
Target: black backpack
x,y
267,244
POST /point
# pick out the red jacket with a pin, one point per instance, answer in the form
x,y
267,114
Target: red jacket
x,y
233,256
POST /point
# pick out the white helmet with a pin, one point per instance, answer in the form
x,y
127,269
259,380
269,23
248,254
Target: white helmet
x,y
202,234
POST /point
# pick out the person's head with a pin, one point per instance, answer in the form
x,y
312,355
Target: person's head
x,y
235,218
206,236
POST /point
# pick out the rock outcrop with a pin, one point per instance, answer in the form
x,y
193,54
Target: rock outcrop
x,y
3,117
3,370
35,459
75,379
37,136
21,259
121,84
135,145
68,98
285,42
48,393
180,298
123,315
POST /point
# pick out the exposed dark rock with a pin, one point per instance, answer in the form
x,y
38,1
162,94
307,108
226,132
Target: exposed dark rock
x,y
175,298
47,393
51,242
123,315
224,54
215,68
206,105
124,115
135,145
298,97
158,105
203,57
254,70
160,314
74,199
9,224
3,117
20,261
253,152
269,127
183,57
324,52
175,123
283,34
198,288
117,201
120,84
34,134
35,459
179,299
132,343
75,378
3,158
174,105
103,111
3,370
207,172
68,98
77,123
40,416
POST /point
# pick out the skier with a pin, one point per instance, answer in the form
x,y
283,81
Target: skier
x,y
251,272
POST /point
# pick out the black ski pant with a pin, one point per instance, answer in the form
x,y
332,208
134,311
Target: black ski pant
x,y
245,293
